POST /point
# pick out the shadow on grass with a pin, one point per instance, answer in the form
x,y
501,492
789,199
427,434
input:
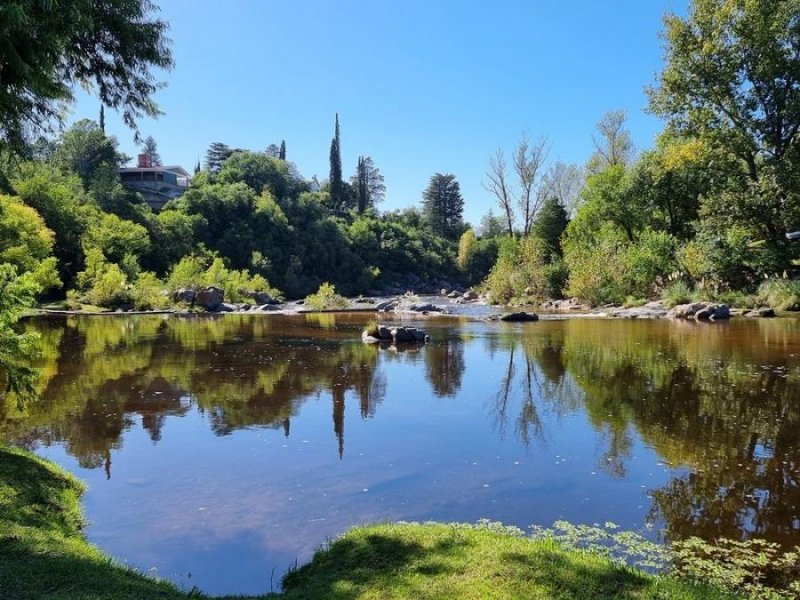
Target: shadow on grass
x,y
440,564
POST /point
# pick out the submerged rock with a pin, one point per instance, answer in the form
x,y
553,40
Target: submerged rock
x,y
520,317
397,335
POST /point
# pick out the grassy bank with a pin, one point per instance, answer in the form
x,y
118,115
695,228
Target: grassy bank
x,y
43,554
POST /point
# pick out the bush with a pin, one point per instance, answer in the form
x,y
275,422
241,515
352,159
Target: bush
x,y
191,272
326,298
780,294
519,275
148,293
676,293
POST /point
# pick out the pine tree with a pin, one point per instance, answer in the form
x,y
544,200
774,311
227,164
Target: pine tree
x,y
282,152
217,154
102,118
197,167
550,224
337,187
151,149
443,205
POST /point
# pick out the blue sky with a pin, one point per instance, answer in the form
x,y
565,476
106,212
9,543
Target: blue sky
x,y
421,86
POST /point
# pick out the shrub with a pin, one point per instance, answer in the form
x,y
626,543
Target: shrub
x,y
676,293
519,274
148,293
780,294
326,298
191,272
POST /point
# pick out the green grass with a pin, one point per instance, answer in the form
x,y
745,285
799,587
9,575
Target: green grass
x,y
44,555
469,562
780,294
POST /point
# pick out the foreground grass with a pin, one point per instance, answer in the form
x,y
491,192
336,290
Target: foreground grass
x,y
43,554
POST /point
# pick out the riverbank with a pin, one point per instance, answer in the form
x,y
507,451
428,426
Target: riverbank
x,y
44,554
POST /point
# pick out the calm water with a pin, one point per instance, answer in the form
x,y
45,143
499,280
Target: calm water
x,y
219,451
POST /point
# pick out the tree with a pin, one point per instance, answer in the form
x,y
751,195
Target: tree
x,y
732,75
565,182
84,149
217,154
613,146
49,48
497,182
368,183
550,224
151,149
529,161
102,121
443,205
282,151
336,183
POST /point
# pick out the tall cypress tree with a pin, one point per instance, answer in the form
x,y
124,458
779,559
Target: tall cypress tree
x,y
337,189
102,118
282,151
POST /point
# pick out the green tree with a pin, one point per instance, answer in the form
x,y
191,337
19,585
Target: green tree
x,y
150,148
613,144
282,151
368,184
732,79
26,243
83,149
259,171
443,205
550,224
216,155
337,192
17,350
48,48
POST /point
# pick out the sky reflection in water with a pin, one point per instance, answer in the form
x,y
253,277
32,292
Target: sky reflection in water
x,y
220,450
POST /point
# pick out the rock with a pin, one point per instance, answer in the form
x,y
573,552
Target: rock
x,y
470,295
453,294
408,335
227,307
700,311
386,305
210,298
267,308
765,312
184,295
424,308
520,317
244,307
384,333
444,292
362,300
262,298
685,311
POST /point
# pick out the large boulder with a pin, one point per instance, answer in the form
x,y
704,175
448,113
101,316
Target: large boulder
x,y
210,298
424,308
262,298
470,295
408,335
520,317
386,305
701,311
184,295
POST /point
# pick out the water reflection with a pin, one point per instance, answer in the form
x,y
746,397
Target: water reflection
x,y
715,409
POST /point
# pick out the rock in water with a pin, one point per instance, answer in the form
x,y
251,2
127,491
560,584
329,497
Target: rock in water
x,y
520,317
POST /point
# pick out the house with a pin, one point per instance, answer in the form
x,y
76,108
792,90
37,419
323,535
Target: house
x,y
156,183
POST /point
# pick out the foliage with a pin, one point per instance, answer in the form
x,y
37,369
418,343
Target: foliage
x,y
780,294
50,47
216,155
150,148
676,292
259,171
466,249
326,298
757,568
26,243
195,272
338,196
368,184
147,293
443,205
550,223
519,274
17,350
84,149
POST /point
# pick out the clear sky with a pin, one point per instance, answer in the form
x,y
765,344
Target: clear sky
x,y
420,85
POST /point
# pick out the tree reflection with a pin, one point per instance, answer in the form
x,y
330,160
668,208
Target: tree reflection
x,y
103,376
